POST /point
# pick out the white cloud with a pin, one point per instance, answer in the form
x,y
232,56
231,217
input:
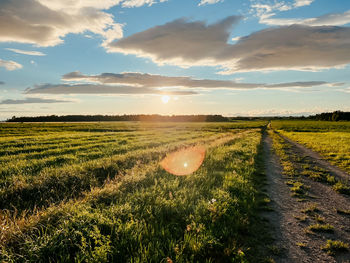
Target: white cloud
x,y
267,9
281,112
209,2
236,38
186,43
299,3
138,3
10,65
26,52
332,19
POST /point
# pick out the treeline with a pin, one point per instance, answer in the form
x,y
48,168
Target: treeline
x,y
139,117
332,116
327,116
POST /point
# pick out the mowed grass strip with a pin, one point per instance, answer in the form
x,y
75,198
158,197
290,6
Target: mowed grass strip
x,y
32,163
149,215
54,185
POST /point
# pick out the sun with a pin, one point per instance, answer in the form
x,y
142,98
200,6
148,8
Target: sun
x,y
165,99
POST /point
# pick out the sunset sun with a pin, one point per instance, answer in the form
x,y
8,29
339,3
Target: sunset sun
x,y
165,99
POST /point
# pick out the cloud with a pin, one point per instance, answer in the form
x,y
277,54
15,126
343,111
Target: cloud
x,y
236,38
180,42
186,43
138,3
332,19
31,100
10,65
266,9
158,81
2,83
26,52
209,2
299,3
283,112
45,22
99,89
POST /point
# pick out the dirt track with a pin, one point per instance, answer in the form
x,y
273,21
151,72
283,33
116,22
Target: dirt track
x,y
290,223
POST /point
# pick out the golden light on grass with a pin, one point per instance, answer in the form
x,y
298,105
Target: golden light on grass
x,y
185,161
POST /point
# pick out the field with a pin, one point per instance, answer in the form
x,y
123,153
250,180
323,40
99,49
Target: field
x,y
96,192
330,139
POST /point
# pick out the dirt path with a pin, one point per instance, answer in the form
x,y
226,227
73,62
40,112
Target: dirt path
x,y
290,223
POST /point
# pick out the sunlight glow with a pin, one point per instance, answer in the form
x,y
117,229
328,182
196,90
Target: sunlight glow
x,y
165,99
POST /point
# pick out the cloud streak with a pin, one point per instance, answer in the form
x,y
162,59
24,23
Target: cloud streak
x,y
138,3
10,65
331,19
26,52
31,101
143,80
209,2
186,43
100,89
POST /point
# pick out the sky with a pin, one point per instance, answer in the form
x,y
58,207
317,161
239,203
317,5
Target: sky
x,y
229,57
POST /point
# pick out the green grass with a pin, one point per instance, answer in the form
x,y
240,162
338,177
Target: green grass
x,y
107,199
343,212
310,209
333,146
321,228
335,246
342,188
329,139
310,126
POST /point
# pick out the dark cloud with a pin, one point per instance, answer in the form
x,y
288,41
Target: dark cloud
x,y
2,83
158,81
179,42
99,89
188,43
31,100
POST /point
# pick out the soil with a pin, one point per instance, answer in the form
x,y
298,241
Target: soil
x,y
289,223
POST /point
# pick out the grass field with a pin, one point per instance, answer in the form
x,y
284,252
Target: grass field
x,y
330,139
94,192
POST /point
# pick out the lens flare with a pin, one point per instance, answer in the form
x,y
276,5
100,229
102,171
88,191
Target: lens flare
x,y
185,161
